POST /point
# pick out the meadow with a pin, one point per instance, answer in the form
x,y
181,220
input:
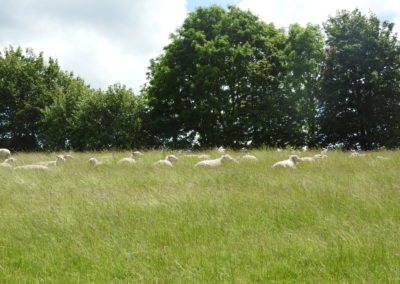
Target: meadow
x,y
336,220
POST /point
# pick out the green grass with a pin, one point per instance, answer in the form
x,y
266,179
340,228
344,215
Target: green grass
x,y
335,220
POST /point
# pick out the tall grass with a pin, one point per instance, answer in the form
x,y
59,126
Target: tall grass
x,y
335,220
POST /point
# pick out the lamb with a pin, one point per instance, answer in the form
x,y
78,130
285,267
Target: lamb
x,y
95,162
289,163
127,161
221,149
215,162
32,167
356,154
67,157
5,153
249,158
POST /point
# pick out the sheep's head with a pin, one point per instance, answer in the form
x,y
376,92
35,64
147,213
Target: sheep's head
x,y
294,158
172,158
60,158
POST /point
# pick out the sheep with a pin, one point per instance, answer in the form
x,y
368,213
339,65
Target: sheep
x,y
320,156
356,154
172,158
307,159
291,162
67,157
60,158
163,163
32,167
5,165
168,161
203,156
248,158
221,149
127,161
10,160
382,158
5,153
215,162
95,162
137,154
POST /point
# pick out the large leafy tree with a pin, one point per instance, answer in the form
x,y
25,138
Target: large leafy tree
x,y
28,83
220,82
360,95
304,56
108,120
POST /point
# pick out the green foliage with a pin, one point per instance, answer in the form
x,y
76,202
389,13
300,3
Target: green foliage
x,y
28,84
360,95
304,56
221,78
106,120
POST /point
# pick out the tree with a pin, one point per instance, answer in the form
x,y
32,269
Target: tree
x,y
360,89
27,85
304,56
220,81
108,120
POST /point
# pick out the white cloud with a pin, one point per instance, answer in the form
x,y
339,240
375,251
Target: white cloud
x,y
102,41
285,12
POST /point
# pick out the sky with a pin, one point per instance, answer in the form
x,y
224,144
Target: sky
x,y
112,41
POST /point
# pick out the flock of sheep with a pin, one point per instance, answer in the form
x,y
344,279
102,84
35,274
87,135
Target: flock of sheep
x,y
170,160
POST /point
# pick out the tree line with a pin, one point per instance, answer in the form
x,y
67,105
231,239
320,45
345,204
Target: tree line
x,y
227,78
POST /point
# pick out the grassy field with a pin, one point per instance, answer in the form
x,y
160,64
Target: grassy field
x,y
332,221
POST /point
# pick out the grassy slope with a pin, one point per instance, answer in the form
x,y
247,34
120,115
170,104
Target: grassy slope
x,y
336,220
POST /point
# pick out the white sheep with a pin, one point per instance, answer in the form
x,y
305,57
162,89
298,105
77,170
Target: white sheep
x,y
32,167
248,157
137,154
307,159
95,162
215,162
67,157
5,153
60,158
356,154
127,160
10,160
382,158
221,149
168,161
289,163
5,165
163,163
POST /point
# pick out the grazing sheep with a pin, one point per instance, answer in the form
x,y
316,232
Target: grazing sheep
x,y
4,153
32,167
307,159
248,158
215,162
10,160
95,162
289,163
5,165
127,161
